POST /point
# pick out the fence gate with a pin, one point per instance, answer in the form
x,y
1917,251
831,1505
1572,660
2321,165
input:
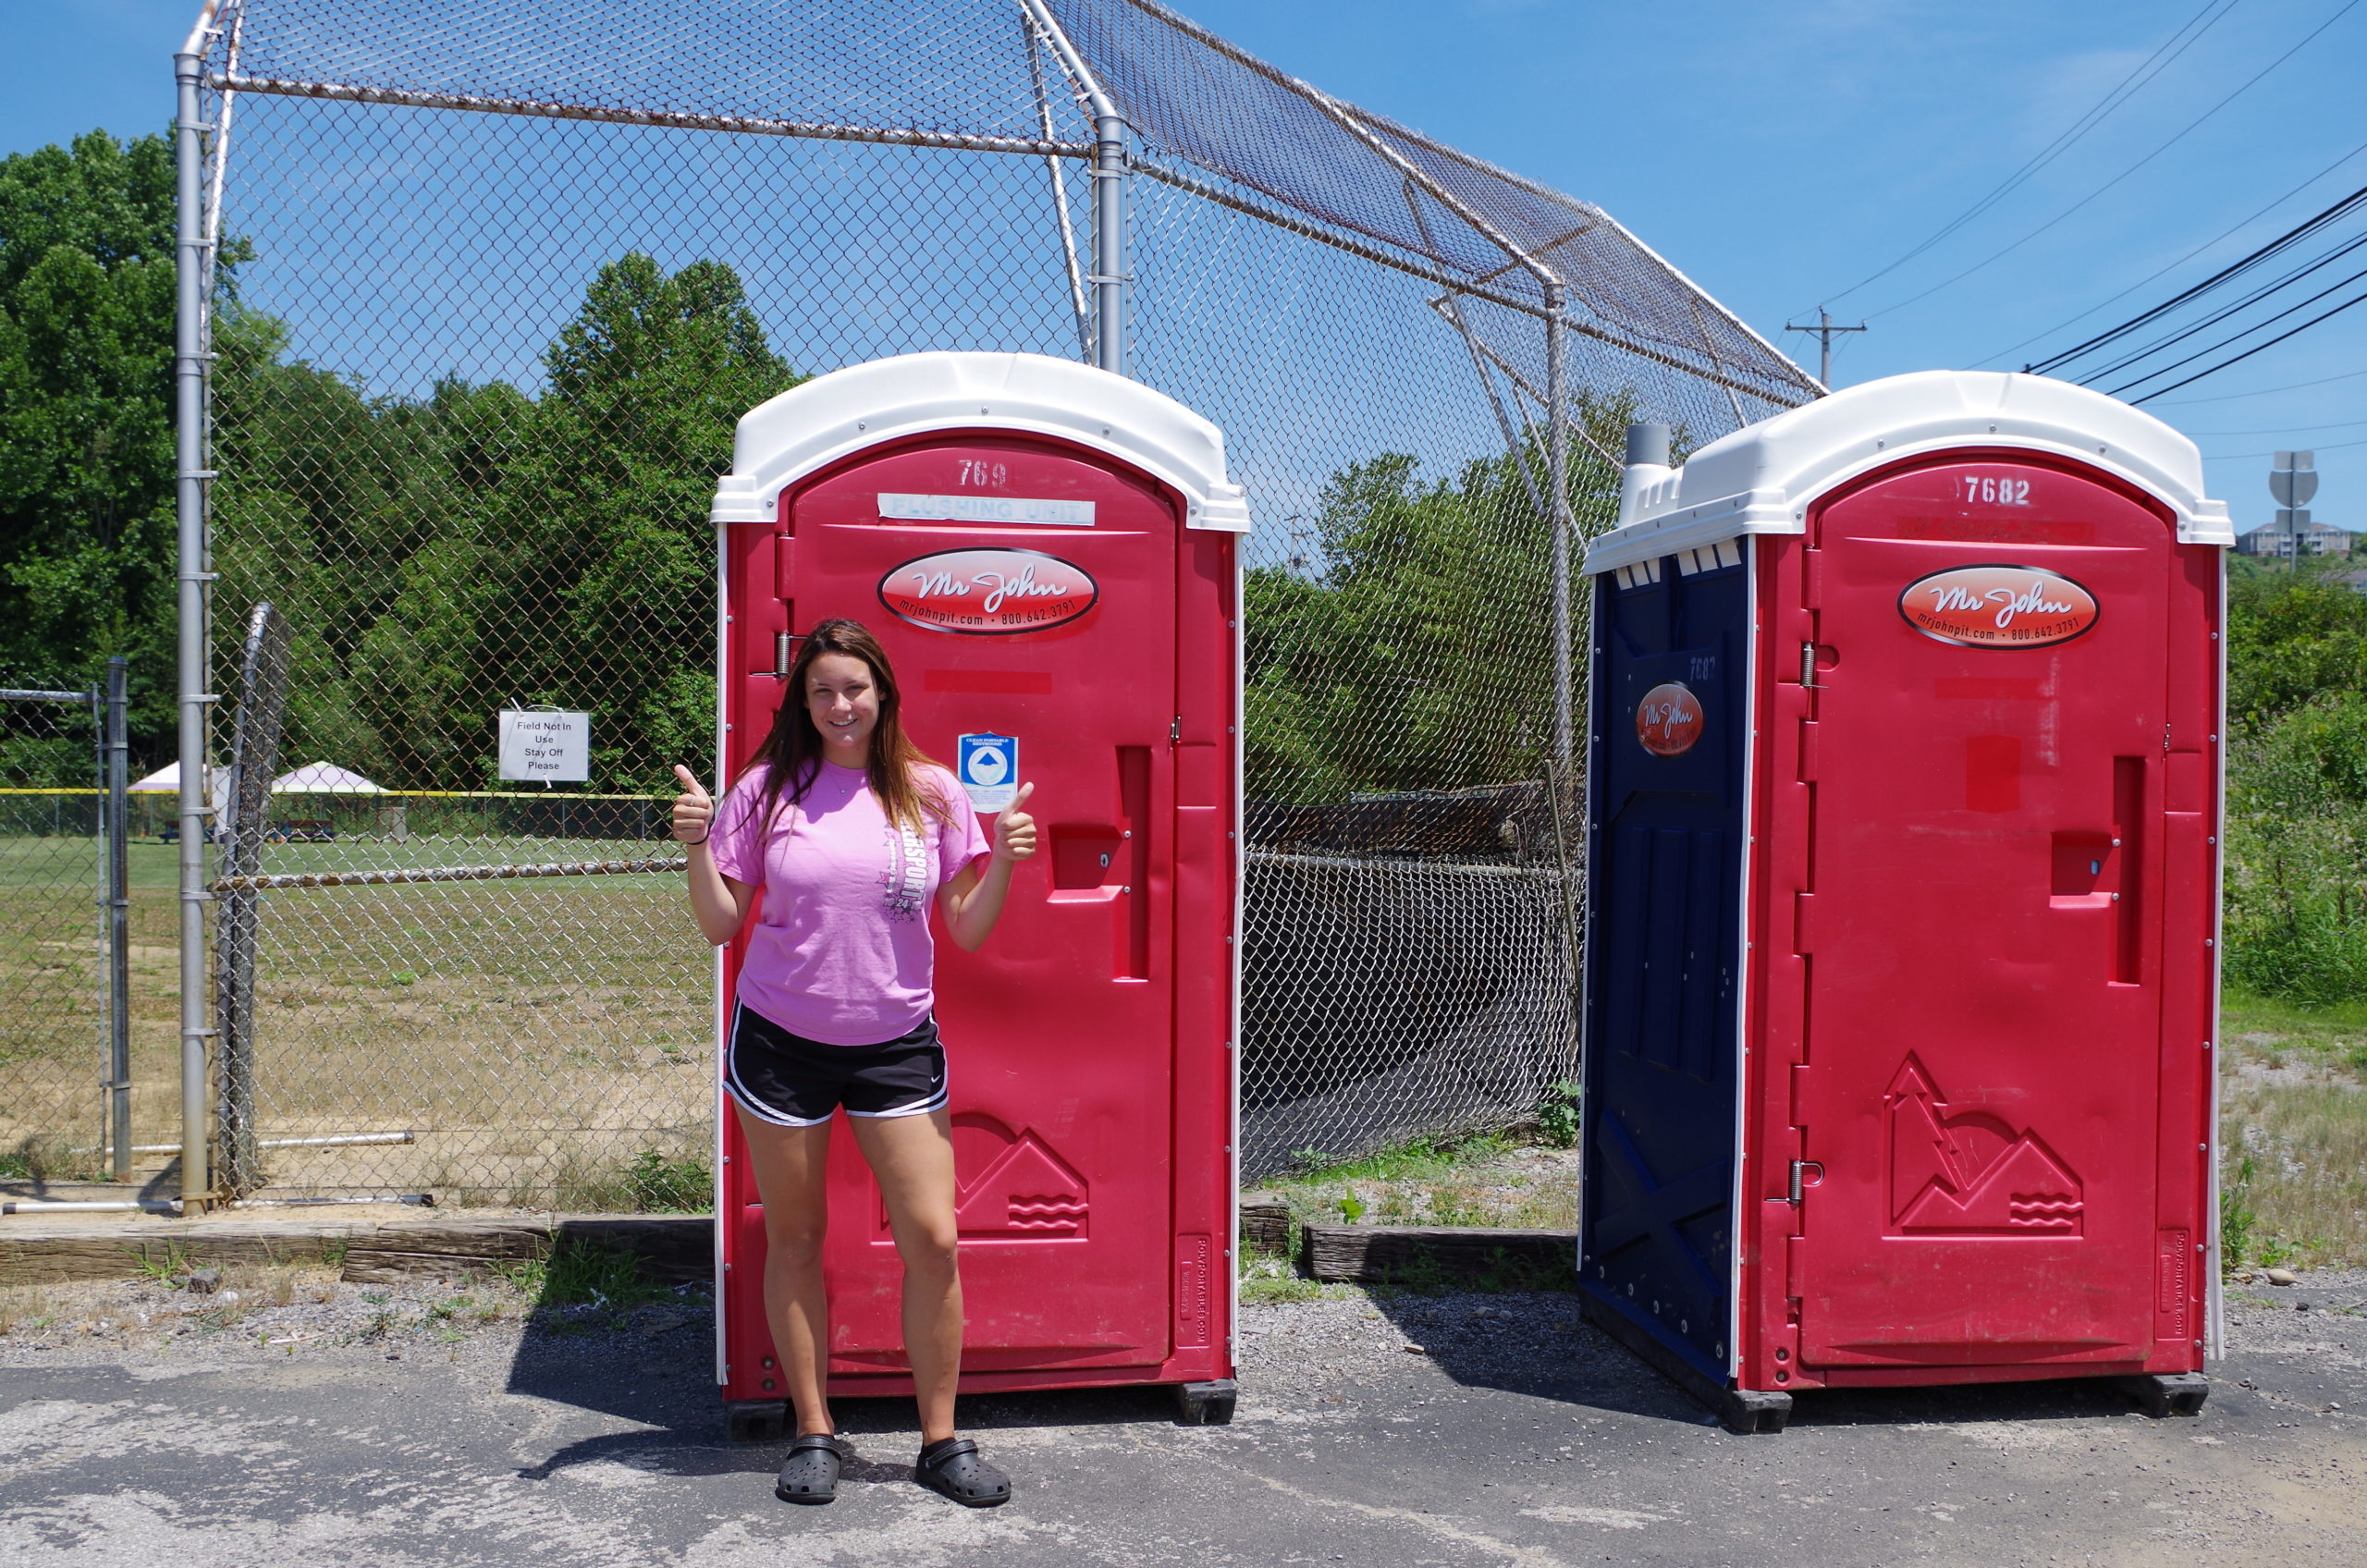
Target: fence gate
x,y
508,270
65,940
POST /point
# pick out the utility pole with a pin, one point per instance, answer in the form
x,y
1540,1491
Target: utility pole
x,y
1822,331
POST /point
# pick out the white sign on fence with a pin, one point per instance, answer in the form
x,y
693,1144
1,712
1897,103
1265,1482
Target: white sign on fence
x,y
551,748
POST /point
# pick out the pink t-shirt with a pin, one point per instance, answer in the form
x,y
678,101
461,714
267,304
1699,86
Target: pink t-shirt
x,y
842,952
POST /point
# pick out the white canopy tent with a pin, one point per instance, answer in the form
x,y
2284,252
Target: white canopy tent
x,y
159,794
324,779
167,780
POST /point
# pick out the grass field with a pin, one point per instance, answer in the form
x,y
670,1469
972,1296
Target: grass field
x,y
539,1037
2293,1131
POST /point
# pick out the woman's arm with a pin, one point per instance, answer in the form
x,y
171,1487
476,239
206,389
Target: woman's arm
x,y
718,903
972,901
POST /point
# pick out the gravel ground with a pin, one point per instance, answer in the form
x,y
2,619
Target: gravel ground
x,y
293,1310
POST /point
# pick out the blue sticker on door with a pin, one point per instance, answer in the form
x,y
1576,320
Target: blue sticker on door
x,y
989,768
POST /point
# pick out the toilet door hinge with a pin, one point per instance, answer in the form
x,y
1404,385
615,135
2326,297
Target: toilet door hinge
x,y
1175,731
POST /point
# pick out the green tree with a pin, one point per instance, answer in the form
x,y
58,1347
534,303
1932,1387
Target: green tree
x,y
440,559
2296,904
86,419
606,583
364,519
1420,655
2291,634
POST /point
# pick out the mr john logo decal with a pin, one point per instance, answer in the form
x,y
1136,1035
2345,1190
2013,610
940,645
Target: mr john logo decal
x,y
1998,607
988,591
1669,719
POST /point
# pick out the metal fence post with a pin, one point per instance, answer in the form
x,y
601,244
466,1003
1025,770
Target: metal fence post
x,y
115,840
189,367
1109,173
1109,236
1566,800
1557,462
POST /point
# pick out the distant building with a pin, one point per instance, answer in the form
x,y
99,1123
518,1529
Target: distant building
x,y
2312,539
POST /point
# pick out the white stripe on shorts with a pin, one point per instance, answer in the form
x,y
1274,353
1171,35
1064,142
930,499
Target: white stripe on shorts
x,y
739,1091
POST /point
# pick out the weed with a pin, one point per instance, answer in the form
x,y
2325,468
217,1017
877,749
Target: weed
x,y
41,1158
1270,1290
1416,1158
2277,1250
660,1185
653,1181
1503,1274
2235,1217
1352,1208
31,1308
163,1263
1557,1114
576,1273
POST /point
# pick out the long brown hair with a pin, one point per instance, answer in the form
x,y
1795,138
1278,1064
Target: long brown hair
x,y
792,751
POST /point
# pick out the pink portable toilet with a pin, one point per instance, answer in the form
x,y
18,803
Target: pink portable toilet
x,y
1048,551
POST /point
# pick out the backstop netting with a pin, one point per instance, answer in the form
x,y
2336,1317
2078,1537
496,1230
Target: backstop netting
x,y
495,279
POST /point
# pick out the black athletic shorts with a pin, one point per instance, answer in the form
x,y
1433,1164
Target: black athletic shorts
x,y
791,1081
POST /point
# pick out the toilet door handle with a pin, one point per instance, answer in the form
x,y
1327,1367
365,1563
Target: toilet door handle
x,y
1798,1167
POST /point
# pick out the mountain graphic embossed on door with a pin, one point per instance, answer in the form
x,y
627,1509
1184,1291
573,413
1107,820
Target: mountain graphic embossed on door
x,y
1022,1190
1009,1186
1971,1173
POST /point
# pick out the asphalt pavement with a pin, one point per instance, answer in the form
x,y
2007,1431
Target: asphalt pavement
x,y
1512,1434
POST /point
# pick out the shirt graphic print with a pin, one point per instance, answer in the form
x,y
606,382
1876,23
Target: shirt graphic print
x,y
840,949
906,875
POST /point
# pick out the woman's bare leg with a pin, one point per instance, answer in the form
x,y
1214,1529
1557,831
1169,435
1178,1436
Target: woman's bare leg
x,y
912,1158
790,1165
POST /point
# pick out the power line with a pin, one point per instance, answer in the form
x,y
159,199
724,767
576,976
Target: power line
x,y
2246,354
2225,276
2265,391
2231,339
2235,228
2128,88
2277,430
2191,125
2259,256
2322,447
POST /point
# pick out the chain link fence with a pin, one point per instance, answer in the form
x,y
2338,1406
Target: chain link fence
x,y
495,280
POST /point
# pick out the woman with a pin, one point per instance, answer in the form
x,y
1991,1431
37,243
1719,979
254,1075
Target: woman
x,y
849,831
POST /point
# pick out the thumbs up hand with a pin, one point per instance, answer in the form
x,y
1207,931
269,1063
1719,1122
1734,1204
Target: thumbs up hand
x,y
693,808
1014,829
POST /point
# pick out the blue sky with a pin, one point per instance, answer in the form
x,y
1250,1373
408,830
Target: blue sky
x,y
1779,155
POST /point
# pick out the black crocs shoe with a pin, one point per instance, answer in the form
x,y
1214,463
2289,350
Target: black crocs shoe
x,y
812,1474
953,1466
